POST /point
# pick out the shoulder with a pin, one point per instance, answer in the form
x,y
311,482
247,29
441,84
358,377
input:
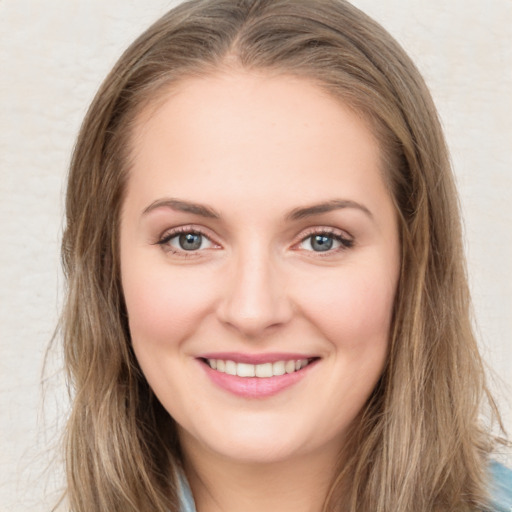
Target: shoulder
x,y
500,487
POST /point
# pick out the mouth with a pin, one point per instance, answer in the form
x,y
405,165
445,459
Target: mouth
x,y
261,371
265,376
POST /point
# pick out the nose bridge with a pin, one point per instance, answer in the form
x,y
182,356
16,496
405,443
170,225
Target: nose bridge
x,y
255,298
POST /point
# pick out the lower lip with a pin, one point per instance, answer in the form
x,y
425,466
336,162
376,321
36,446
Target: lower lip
x,y
256,387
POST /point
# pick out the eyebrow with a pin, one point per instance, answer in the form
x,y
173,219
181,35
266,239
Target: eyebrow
x,y
296,214
182,206
328,206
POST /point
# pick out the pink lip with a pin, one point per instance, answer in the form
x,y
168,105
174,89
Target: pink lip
x,y
255,358
255,387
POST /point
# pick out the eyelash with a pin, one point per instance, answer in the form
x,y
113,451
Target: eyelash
x,y
345,242
337,235
182,230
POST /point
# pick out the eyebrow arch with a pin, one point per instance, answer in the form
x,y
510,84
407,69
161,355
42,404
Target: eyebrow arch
x,y
328,206
182,206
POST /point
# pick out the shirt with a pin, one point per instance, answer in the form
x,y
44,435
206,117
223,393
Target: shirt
x,y
501,487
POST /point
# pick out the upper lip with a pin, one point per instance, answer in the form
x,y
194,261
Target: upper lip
x,y
272,357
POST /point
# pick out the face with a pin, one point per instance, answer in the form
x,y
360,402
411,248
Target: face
x,y
259,263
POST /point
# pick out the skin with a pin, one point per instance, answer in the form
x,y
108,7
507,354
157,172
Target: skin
x,y
254,148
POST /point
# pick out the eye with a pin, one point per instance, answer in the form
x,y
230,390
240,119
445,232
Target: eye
x,y
186,241
324,242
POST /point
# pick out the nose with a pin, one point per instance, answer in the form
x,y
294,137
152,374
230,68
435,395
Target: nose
x,y
254,299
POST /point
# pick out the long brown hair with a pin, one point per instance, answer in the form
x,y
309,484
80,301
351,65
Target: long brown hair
x,y
419,444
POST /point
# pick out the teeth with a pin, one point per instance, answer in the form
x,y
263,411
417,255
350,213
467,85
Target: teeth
x,y
245,370
230,368
263,370
278,368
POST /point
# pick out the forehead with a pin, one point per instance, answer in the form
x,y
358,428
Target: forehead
x,y
277,131
212,99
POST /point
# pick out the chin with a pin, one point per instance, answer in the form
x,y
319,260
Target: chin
x,y
257,451
258,442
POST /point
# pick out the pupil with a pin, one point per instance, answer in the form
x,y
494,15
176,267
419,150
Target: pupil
x,y
321,243
190,241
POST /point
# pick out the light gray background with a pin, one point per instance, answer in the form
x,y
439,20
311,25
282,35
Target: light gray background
x,y
53,56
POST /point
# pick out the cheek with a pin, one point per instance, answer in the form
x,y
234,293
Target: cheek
x,y
164,306
354,308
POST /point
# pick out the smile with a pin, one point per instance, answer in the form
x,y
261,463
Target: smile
x,y
264,370
256,376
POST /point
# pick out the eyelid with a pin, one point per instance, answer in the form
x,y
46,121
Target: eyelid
x,y
164,239
341,235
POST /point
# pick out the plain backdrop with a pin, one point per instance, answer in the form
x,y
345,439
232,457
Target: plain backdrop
x,y
53,56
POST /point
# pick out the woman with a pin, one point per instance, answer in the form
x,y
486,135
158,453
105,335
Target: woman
x,y
267,302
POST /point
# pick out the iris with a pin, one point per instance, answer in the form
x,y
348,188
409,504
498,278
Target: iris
x,y
190,241
321,243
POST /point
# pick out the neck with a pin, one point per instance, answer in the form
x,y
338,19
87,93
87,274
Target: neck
x,y
223,485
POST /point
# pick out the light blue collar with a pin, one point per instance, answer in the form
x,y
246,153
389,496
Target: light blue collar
x,y
501,487
186,500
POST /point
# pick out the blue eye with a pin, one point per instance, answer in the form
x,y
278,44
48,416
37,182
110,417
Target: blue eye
x,y
324,242
189,241
186,241
321,243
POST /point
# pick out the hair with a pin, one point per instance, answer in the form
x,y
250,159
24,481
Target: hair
x,y
419,443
